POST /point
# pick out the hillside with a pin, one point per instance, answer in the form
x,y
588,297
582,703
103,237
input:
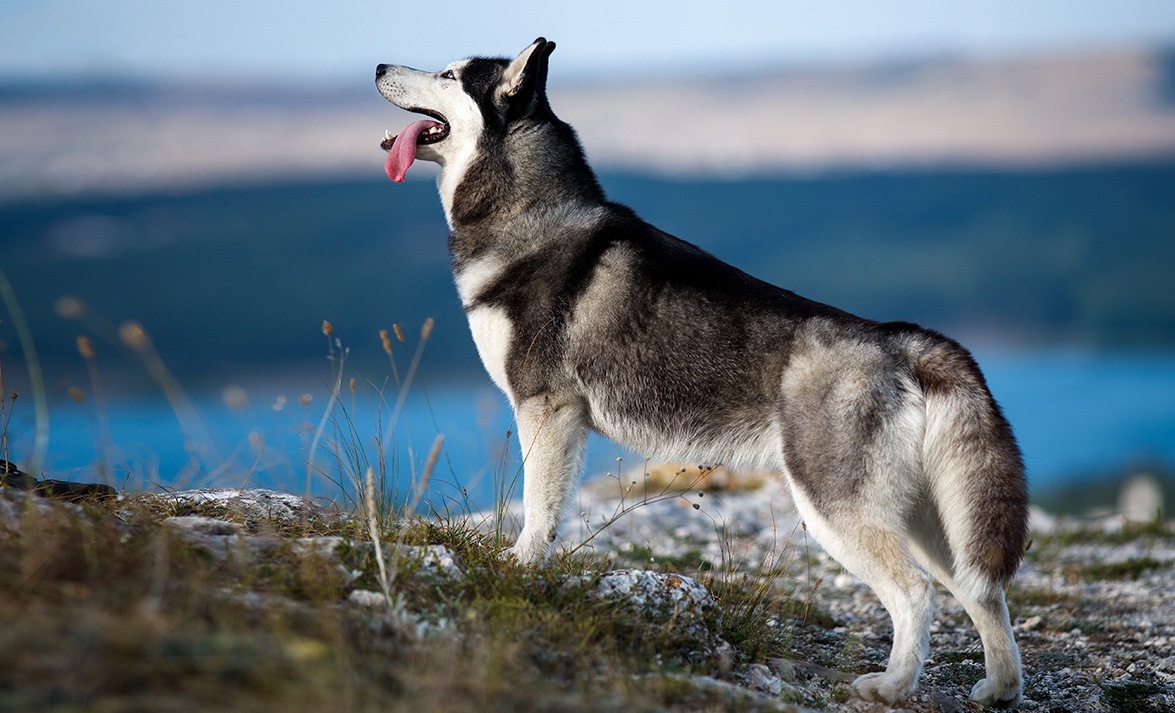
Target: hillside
x,y
242,277
111,136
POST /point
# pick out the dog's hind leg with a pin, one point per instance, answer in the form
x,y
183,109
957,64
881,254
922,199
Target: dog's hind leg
x,y
877,554
552,432
1001,656
984,602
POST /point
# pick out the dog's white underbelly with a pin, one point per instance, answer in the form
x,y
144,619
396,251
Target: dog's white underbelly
x,y
739,445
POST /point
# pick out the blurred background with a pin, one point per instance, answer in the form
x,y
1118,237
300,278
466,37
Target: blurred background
x,y
194,188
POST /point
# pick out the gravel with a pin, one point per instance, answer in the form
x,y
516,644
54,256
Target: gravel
x,y
1093,605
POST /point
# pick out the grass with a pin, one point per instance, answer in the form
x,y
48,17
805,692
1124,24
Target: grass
x,y
109,609
1130,568
1156,529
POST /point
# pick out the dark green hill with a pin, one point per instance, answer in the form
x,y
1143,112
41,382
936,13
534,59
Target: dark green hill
x,y
242,277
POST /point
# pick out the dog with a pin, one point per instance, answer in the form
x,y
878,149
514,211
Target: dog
x,y
899,460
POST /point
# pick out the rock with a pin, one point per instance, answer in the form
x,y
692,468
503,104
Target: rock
x,y
367,598
760,678
428,561
1141,499
250,503
433,560
681,601
673,596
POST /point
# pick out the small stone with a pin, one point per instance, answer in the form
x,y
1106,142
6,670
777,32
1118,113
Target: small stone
x,y
844,580
367,598
760,678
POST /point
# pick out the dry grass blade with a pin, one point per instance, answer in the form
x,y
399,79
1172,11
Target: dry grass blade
x,y
385,582
36,381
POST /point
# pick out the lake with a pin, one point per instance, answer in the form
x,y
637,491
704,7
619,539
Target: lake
x,y
1076,414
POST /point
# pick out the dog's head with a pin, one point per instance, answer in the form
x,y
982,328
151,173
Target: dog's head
x,y
463,101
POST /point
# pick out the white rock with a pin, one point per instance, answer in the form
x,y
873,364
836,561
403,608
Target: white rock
x,y
1141,498
255,503
760,678
432,559
654,591
367,598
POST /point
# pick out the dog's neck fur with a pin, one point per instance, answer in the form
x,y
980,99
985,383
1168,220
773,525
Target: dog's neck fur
x,y
548,173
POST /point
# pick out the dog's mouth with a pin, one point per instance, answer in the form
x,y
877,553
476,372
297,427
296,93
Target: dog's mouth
x,y
401,147
426,132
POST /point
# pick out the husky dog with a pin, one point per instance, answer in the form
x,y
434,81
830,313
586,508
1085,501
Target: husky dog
x,y
588,318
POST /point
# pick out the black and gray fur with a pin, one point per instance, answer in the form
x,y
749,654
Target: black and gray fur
x,y
589,318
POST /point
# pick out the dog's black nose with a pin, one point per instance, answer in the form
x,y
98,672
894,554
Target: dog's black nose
x,y
380,69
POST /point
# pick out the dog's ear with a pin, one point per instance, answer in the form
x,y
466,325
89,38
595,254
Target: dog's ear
x,y
527,74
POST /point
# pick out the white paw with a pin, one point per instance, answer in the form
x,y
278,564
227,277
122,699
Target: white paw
x,y
885,688
528,552
987,693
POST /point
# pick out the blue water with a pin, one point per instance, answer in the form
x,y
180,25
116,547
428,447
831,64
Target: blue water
x,y
1075,414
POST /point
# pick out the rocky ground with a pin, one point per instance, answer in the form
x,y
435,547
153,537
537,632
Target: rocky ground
x,y
1093,606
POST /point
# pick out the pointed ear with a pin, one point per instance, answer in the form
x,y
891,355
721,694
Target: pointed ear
x,y
528,70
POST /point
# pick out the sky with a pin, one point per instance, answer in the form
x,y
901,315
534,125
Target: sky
x,y
298,41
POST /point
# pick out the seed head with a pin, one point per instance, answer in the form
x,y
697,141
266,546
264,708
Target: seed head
x,y
426,329
134,336
327,328
76,394
85,347
383,337
399,334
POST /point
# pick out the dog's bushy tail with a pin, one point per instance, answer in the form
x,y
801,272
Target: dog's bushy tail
x,y
974,468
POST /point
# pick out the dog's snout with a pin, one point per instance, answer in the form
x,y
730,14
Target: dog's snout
x,y
380,70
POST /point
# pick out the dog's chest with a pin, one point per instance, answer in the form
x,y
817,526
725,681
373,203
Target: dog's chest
x,y
492,333
490,325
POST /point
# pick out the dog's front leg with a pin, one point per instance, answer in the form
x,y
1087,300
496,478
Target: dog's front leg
x,y
552,431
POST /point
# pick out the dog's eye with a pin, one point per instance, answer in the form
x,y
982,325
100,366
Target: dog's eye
x,y
448,74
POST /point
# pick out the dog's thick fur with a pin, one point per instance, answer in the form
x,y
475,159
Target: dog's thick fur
x,y
588,318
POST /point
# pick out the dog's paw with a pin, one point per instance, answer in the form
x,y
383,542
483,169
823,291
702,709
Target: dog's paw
x,y
988,693
526,553
884,687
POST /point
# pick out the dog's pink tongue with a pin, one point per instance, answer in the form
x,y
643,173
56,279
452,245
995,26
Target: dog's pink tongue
x,y
403,151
